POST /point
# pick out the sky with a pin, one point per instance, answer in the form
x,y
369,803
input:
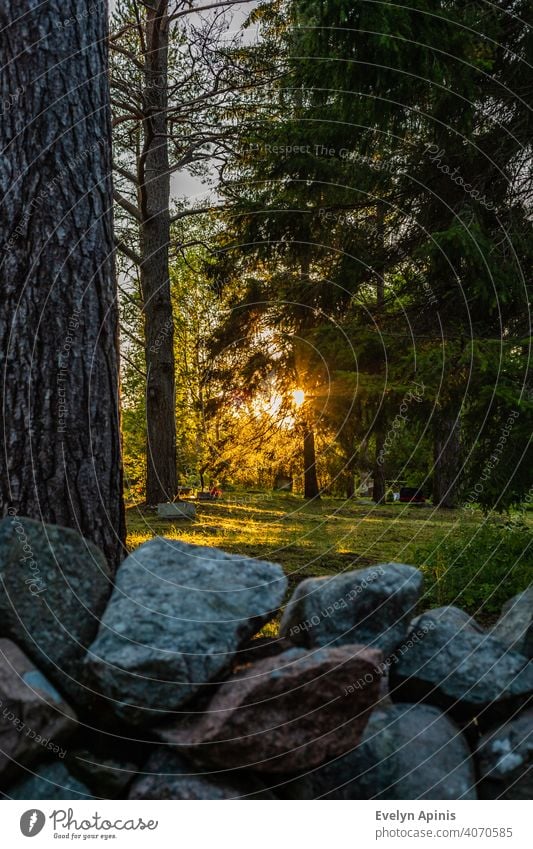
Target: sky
x,y
183,185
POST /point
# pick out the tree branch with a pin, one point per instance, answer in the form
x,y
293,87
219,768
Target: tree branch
x,y
219,5
128,175
127,206
128,252
189,212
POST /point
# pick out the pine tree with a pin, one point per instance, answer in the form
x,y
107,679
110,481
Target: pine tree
x,y
59,418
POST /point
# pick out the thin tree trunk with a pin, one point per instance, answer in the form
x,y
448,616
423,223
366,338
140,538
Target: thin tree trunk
x,y
351,467
446,458
379,491
154,199
378,474
311,489
59,421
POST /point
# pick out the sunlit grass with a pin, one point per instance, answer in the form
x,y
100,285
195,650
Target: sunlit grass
x,y
306,538
318,538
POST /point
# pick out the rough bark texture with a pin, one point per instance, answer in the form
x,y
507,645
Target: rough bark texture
x,y
59,420
311,489
446,458
154,198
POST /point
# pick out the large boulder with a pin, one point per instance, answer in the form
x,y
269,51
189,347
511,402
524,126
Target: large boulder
x,y
49,781
370,606
175,621
451,615
463,672
166,775
34,718
285,713
54,586
415,752
504,758
406,752
514,628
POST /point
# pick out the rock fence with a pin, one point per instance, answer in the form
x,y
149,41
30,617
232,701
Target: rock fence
x,y
358,698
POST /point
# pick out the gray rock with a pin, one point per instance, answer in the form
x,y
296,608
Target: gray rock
x,y
515,626
168,776
463,672
452,615
34,718
50,781
406,752
504,758
177,616
54,586
176,510
107,775
371,606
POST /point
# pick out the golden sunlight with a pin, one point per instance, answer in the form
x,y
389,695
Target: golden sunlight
x,y
298,397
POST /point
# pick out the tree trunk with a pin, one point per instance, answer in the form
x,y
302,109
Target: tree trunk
x,y
154,199
350,469
60,458
446,458
379,491
350,486
311,489
378,474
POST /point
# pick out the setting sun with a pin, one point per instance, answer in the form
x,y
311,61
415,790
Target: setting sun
x,y
298,397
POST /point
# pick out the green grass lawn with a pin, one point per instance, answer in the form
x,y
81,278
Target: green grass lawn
x,y
465,561
306,538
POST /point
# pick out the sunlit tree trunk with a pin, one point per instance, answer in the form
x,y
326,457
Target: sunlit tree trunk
x,y
59,421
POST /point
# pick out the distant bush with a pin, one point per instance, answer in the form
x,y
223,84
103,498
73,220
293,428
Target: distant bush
x,y
477,569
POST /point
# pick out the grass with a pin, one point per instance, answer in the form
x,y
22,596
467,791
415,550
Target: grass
x,y
311,539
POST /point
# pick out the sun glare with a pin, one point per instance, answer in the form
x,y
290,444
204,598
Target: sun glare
x,y
298,397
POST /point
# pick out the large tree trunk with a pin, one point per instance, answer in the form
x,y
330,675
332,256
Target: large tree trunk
x,y
59,420
154,199
311,489
446,457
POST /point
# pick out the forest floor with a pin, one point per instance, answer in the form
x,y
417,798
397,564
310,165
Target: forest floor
x,y
308,539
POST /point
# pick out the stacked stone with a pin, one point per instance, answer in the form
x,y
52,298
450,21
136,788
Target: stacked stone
x,y
357,699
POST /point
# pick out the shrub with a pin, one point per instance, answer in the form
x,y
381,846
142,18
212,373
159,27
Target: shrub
x,y
477,568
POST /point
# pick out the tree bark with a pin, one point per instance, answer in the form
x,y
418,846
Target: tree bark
x,y
59,420
154,200
378,475
379,490
446,457
311,489
350,470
